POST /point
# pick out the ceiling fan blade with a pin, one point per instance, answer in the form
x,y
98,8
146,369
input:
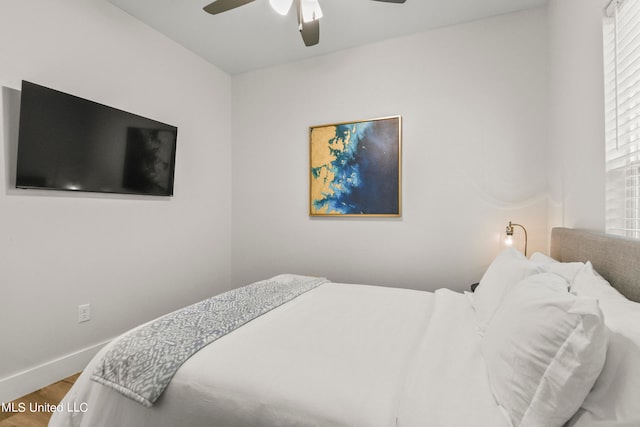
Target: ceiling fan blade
x,y
310,32
392,1
220,6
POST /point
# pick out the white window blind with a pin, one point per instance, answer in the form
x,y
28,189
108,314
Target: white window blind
x,y
622,116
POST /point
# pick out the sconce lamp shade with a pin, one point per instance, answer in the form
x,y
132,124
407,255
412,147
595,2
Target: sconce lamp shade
x,y
310,10
281,6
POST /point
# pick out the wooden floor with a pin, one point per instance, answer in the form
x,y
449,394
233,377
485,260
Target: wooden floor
x,y
26,411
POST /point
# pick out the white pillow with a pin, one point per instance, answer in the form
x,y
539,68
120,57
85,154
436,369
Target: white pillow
x,y
542,259
544,349
614,397
567,270
507,269
589,283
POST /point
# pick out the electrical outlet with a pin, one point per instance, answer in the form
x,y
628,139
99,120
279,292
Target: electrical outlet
x,y
84,313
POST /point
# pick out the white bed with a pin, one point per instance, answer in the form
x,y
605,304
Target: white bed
x,y
357,356
296,366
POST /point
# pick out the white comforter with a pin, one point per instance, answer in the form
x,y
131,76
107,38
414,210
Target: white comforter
x,y
339,355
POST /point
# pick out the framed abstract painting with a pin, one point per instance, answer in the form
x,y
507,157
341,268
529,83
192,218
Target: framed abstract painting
x,y
355,168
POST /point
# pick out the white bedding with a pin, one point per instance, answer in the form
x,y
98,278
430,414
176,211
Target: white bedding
x,y
339,355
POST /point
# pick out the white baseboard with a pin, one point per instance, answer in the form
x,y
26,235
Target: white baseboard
x,y
33,379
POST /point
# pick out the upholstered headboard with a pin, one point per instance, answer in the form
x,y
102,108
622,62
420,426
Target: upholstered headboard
x,y
616,258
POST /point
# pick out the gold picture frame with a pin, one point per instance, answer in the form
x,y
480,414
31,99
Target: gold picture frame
x,y
355,168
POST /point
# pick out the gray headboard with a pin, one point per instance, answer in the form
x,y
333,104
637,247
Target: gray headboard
x,y
616,258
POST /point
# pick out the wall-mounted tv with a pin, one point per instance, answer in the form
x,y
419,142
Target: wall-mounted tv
x,y
70,143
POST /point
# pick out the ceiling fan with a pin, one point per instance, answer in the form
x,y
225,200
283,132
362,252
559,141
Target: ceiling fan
x,y
308,11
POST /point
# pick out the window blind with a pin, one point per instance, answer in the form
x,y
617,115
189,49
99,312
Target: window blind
x,y
621,32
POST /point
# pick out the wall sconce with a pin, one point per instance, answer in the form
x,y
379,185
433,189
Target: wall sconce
x,y
509,239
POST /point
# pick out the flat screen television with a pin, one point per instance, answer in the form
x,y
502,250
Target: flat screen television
x,y
70,143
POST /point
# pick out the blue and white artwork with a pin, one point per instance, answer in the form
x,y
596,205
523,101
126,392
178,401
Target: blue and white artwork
x,y
355,168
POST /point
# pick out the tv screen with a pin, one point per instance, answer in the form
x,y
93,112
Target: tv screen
x,y
70,143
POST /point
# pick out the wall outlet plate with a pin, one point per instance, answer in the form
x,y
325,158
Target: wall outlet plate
x,y
84,313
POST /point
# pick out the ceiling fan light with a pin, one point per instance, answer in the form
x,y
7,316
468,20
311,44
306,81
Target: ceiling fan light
x,y
281,6
310,10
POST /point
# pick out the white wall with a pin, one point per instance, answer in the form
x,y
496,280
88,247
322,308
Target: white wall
x,y
474,102
498,115
576,114
131,258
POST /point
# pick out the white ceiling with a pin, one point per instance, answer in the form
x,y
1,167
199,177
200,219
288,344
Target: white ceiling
x,y
254,36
